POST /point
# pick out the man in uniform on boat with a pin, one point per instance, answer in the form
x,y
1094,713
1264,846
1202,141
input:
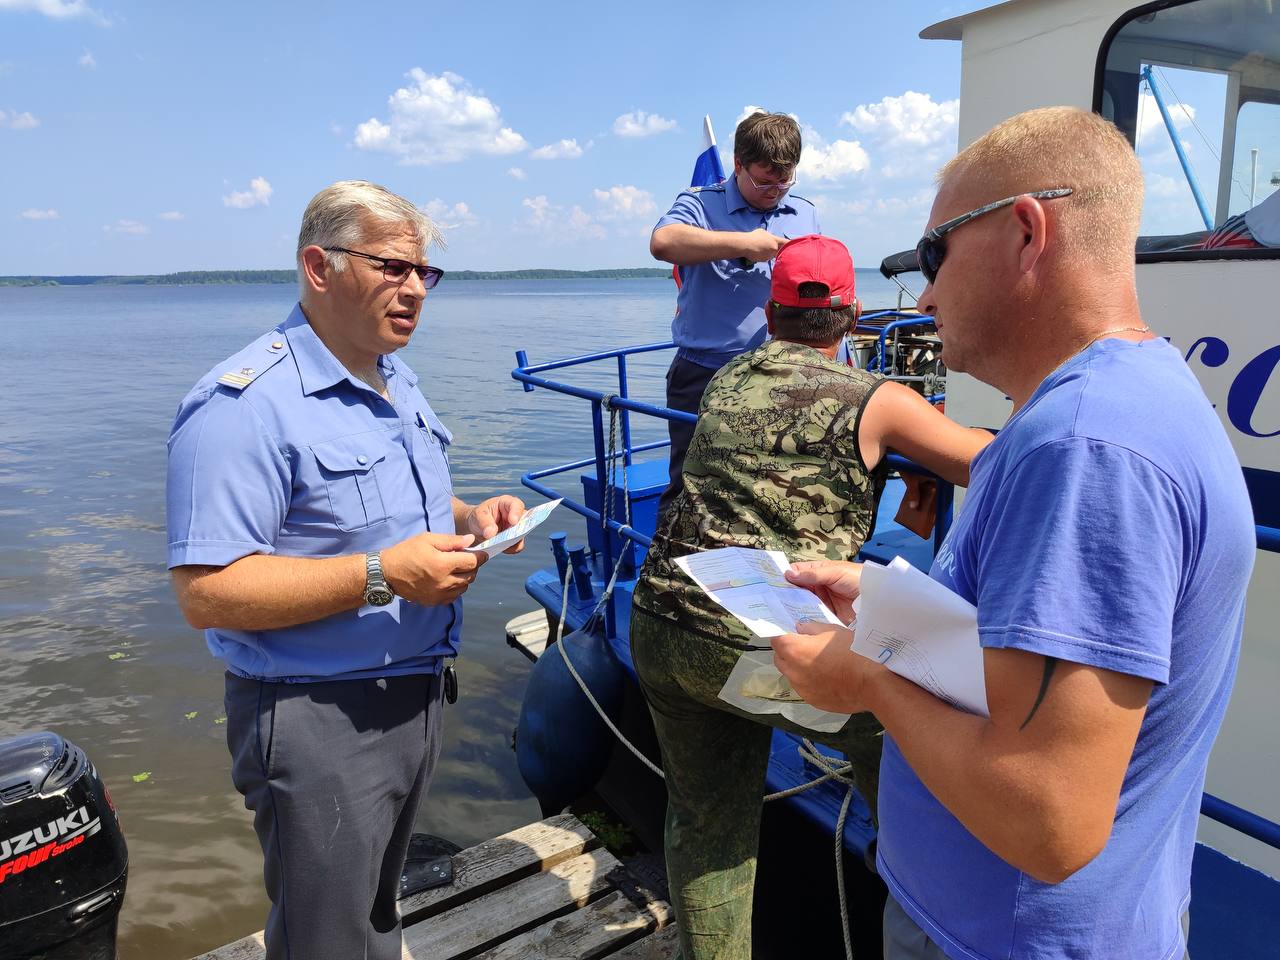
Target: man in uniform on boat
x,y
724,238
1106,540
314,536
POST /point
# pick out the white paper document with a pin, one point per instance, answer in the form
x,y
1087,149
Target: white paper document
x,y
522,528
750,585
921,631
756,686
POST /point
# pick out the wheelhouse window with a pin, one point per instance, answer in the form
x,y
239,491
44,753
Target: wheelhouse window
x,y
1195,85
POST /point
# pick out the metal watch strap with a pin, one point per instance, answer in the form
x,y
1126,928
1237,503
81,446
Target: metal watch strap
x,y
374,580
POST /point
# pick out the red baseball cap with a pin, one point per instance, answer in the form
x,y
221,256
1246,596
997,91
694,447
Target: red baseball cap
x,y
813,259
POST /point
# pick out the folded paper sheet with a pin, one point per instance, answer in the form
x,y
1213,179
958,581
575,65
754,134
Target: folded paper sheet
x,y
921,631
517,531
750,585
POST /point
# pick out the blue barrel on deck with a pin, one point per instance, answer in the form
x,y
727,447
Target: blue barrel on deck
x,y
562,745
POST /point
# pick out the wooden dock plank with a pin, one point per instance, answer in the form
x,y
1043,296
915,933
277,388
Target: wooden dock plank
x,y
594,931
529,633
495,917
503,860
663,945
477,871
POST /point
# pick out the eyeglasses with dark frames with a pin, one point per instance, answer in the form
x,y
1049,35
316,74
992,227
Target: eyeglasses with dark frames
x,y
932,248
397,271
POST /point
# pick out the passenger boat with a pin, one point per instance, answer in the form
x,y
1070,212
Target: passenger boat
x,y
1214,305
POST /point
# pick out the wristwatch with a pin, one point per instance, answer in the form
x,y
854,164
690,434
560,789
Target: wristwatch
x,y
377,592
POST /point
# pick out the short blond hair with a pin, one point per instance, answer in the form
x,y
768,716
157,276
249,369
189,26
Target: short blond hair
x,y
1060,147
341,214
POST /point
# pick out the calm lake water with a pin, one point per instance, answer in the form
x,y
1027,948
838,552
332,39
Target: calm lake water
x,y
93,644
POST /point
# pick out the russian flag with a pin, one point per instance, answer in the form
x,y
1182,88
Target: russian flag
x,y
707,171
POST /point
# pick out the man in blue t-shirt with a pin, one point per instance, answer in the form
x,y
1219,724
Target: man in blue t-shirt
x,y
723,239
1107,541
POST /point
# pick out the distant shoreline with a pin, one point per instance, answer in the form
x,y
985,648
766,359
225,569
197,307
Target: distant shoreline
x,y
241,277
223,277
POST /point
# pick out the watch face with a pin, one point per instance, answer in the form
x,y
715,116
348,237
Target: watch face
x,y
378,596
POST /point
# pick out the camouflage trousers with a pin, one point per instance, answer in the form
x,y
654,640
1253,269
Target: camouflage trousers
x,y
714,757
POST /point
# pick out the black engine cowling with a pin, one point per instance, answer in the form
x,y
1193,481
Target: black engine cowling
x,y
63,860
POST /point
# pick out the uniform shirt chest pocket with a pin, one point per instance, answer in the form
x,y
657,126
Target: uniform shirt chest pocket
x,y
436,437
350,470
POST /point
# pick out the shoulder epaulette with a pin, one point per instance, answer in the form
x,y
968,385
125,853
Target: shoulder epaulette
x,y
256,359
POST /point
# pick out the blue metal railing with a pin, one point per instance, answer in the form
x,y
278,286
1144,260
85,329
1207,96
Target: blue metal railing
x,y
1224,812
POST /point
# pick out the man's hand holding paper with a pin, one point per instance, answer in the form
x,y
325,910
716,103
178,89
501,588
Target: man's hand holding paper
x,y
911,624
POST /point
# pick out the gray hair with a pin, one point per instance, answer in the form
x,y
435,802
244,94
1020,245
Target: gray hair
x,y
340,214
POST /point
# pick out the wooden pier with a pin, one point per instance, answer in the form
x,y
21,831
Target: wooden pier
x,y
547,891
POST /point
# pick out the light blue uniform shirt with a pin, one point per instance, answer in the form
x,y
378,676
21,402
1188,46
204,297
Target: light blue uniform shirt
x,y
279,450
720,307
1107,524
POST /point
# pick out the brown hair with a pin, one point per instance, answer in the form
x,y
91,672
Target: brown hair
x,y
769,138
819,326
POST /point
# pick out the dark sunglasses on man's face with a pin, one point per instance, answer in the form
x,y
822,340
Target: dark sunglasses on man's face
x,y
932,248
397,271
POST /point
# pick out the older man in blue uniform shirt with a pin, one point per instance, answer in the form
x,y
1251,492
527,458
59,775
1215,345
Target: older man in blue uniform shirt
x,y
314,536
723,239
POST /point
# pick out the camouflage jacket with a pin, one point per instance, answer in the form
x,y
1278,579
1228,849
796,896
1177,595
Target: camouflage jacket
x,y
774,465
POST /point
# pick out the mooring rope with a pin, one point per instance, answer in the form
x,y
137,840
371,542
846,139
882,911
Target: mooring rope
x,y
832,769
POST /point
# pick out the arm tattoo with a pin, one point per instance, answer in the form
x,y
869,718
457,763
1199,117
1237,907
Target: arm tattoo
x,y
1050,663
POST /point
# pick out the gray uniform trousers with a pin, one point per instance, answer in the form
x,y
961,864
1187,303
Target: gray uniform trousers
x,y
333,772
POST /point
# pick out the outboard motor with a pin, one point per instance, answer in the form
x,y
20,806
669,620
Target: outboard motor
x,y
63,861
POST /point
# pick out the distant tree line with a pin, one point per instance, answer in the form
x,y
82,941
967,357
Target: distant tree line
x,y
290,276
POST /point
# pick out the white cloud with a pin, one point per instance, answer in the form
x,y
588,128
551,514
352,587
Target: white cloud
x,y
560,150
172,215
336,129
580,223
550,219
258,194
448,217
33,214
624,203
86,60
912,120
1150,120
56,9
516,173
18,121
834,161
539,207
129,227
438,119
637,123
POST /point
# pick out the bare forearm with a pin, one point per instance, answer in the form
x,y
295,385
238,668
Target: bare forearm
x,y
951,461
1004,796
686,245
261,592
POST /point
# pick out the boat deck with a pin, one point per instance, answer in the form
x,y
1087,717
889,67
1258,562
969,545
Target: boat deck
x,y
548,890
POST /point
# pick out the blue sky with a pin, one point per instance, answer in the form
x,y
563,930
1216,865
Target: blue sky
x,y
147,138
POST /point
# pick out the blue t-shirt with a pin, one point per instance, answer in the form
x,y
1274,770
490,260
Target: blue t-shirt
x,y
720,307
1108,524
279,450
